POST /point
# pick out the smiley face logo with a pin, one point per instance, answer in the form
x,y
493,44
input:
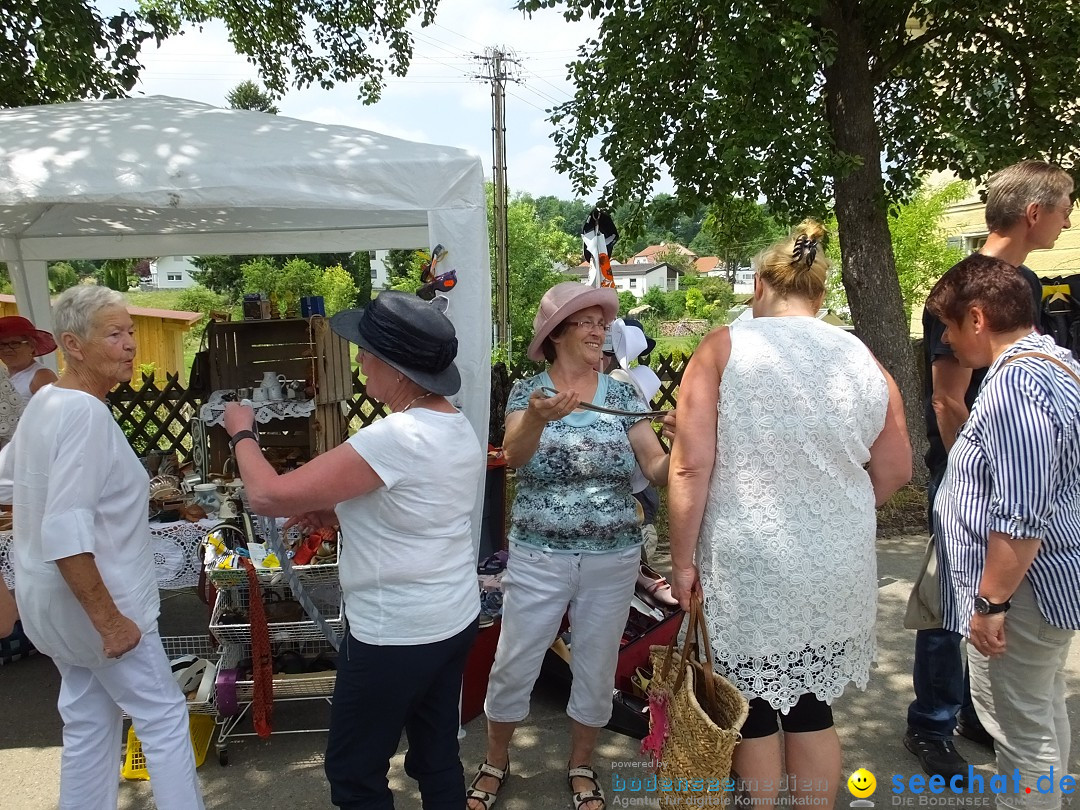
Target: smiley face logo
x,y
861,783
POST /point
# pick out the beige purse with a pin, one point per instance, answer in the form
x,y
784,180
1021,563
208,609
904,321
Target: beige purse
x,y
924,602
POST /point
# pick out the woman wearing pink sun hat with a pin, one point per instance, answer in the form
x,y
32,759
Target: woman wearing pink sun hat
x,y
21,343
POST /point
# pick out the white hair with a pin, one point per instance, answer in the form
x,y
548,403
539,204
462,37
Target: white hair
x,y
77,307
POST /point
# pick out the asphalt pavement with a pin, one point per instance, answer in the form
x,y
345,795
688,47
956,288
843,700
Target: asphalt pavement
x,y
286,771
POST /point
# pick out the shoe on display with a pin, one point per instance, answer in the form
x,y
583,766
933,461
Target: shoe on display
x,y
655,587
937,757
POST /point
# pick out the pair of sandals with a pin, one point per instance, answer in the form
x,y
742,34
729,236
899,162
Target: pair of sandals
x,y
580,798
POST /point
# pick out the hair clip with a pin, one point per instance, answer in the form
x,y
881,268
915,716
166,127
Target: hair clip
x,y
805,249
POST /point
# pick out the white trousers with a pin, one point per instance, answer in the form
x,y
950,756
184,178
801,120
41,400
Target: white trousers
x,y
538,587
1020,699
91,704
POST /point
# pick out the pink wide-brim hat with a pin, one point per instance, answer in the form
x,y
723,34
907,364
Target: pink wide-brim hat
x,y
562,301
17,326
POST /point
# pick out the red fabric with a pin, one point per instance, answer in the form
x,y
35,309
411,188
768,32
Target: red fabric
x,y
262,664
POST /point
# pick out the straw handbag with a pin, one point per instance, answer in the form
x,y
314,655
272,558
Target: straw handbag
x,y
694,717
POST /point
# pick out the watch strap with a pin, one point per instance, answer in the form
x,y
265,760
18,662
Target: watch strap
x,y
994,607
239,436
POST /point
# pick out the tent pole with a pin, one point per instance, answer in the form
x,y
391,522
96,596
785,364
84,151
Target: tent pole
x,y
31,282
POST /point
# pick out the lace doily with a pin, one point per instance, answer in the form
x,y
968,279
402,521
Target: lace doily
x,y
176,553
786,550
213,411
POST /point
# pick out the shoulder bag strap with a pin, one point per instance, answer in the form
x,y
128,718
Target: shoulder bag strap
x,y
1045,356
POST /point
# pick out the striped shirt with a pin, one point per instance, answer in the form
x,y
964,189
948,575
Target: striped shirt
x,y
1015,469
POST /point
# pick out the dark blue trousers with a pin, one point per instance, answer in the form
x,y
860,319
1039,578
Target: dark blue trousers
x,y
381,690
938,673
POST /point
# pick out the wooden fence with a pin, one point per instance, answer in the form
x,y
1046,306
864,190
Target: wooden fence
x,y
161,416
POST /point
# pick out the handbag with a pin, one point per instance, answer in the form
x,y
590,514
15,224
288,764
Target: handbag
x,y
924,601
694,717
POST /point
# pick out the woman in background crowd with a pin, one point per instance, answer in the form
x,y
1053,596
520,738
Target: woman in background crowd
x,y
402,490
790,434
20,346
1007,518
87,593
574,536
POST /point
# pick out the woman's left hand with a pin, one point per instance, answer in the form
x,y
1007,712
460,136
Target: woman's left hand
x,y
684,584
667,429
238,417
987,633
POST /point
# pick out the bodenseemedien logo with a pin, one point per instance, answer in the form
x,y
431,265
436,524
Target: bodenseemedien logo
x,y
861,784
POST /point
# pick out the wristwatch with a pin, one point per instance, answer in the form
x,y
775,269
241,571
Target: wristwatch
x,y
986,607
239,436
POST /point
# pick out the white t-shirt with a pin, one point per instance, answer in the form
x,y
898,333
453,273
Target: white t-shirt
x,y
22,379
408,566
78,487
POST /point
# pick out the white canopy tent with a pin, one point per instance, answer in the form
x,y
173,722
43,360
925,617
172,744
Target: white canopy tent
x,y
157,176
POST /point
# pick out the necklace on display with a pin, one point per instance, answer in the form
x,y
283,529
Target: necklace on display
x,y
414,400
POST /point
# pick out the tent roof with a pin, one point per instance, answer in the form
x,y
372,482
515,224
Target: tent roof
x,y
164,176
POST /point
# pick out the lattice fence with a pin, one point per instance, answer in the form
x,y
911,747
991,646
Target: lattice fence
x,y
156,417
160,417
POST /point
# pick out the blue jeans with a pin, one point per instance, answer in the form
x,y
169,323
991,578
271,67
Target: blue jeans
x,y
938,674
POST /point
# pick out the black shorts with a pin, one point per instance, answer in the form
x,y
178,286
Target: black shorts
x,y
809,714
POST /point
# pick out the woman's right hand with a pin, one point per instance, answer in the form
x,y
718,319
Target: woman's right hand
x,y
551,409
684,584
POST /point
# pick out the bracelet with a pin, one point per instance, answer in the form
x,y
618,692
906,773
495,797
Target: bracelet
x,y
239,436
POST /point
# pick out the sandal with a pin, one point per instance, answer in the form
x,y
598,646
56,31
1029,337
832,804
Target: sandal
x,y
583,797
487,799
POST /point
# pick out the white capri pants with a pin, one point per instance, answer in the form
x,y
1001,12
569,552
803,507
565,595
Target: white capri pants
x,y
538,587
140,683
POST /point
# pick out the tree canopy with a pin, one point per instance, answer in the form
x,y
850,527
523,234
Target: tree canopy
x,y
819,104
65,50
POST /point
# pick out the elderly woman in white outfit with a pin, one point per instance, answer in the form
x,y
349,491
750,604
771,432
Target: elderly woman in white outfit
x,y
87,594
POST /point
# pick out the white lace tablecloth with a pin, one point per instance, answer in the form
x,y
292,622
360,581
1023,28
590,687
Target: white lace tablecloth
x,y
175,546
213,411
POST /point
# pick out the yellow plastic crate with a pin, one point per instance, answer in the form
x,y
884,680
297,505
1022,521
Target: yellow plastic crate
x,y
202,732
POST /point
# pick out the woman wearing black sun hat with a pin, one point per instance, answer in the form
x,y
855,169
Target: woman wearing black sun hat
x,y
402,491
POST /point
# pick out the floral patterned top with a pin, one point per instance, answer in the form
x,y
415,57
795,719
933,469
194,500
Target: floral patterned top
x,y
574,495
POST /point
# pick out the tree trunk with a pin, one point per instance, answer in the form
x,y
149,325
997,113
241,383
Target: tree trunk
x,y
868,265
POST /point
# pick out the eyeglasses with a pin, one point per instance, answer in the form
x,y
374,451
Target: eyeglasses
x,y
1066,210
12,345
589,325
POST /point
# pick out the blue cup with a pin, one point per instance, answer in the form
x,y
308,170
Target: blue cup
x,y
312,305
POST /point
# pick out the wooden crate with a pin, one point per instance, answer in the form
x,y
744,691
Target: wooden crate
x,y
312,435
241,351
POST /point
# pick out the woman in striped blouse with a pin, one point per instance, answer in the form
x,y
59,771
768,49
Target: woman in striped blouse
x,y
1008,519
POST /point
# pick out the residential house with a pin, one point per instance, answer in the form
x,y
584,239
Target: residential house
x,y
638,277
171,272
378,269
649,254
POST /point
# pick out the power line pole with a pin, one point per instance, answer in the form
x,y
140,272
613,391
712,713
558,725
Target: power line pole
x,y
497,63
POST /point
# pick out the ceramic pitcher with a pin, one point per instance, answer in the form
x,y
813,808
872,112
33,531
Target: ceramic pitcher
x,y
272,384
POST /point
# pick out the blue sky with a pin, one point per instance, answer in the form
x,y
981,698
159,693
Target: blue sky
x,y
438,102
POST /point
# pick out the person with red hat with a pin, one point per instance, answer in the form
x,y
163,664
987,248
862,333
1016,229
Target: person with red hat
x,y
21,343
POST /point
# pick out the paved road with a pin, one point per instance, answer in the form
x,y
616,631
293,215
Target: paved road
x,y
286,771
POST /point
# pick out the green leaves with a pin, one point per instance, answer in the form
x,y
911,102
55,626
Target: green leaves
x,y
64,50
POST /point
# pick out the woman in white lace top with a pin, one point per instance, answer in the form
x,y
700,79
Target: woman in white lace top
x,y
797,433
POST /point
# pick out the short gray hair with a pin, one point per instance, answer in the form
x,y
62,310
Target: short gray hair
x,y
74,311
1010,191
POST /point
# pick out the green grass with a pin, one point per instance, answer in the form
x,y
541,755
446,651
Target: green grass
x,y
667,345
155,299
